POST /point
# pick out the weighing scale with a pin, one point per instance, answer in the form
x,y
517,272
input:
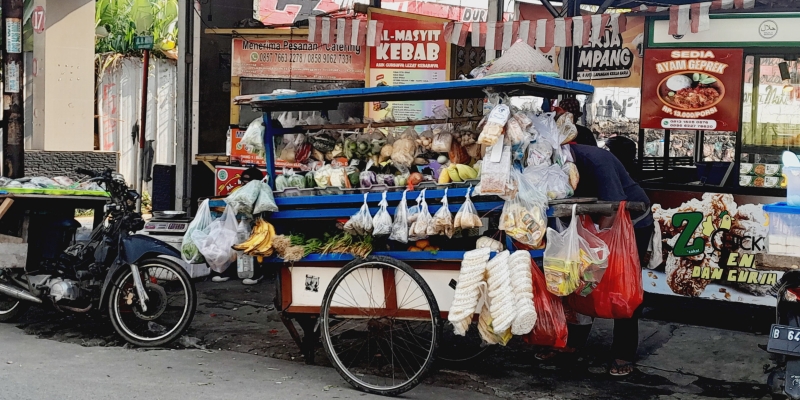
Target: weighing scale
x,y
169,227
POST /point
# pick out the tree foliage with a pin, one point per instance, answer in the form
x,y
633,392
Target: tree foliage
x,y
118,22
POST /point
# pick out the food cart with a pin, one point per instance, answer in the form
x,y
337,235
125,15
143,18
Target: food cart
x,y
394,301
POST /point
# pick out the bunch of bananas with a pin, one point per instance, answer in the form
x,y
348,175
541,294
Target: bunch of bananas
x,y
457,173
260,241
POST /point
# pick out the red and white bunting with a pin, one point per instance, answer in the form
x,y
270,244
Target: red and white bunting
x,y
694,17
344,31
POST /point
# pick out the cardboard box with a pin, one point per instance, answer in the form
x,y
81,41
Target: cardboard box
x,y
238,152
226,179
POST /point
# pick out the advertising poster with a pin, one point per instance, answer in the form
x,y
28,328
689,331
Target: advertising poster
x,y
692,89
239,153
296,59
412,50
709,247
615,60
227,179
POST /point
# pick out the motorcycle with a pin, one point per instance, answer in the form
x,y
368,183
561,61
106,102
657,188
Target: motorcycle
x,y
784,340
136,279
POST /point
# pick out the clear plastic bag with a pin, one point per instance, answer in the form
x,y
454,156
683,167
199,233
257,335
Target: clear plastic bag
x,y
594,256
382,221
540,153
562,259
244,263
552,179
467,216
253,139
495,172
442,220
404,149
517,129
201,221
567,131
495,125
244,199
400,224
43,182
361,223
524,217
288,119
442,141
265,201
216,244
545,124
421,220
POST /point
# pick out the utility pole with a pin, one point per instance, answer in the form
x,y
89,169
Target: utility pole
x,y
13,115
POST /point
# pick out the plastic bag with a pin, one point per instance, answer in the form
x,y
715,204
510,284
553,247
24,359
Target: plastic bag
x,y
404,149
524,217
567,131
656,249
244,263
620,292
495,125
200,222
594,256
562,259
442,220
361,223
382,221
288,119
265,201
442,141
253,139
495,171
244,199
43,182
421,220
64,181
571,170
551,325
552,179
400,224
215,245
516,129
545,124
540,153
467,216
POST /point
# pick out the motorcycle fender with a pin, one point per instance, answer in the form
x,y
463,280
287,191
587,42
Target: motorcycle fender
x,y
134,249
792,385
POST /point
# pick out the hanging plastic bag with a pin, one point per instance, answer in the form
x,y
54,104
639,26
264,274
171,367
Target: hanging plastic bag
x,y
244,263
421,220
594,256
562,259
404,149
467,216
266,200
442,220
656,249
215,245
244,199
540,153
442,141
524,217
620,292
545,124
288,119
400,224
567,131
200,222
551,325
495,125
361,223
551,179
253,138
495,170
382,221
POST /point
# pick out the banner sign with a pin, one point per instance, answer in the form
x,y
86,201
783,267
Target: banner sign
x,y
710,243
412,50
692,89
614,59
297,59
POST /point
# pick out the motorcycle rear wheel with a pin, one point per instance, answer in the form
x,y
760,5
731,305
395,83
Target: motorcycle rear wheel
x,y
164,321
11,309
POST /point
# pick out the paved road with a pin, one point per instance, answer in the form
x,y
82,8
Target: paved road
x,y
35,369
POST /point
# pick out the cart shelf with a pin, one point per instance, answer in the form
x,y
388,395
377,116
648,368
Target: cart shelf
x,y
455,256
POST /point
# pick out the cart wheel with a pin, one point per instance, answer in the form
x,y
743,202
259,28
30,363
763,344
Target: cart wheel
x,y
456,349
380,341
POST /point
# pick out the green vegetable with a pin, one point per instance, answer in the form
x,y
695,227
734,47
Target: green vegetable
x,y
310,182
400,181
281,183
189,251
671,94
353,177
695,77
296,181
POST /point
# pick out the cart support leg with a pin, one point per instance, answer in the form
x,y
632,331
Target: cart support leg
x,y
287,322
310,338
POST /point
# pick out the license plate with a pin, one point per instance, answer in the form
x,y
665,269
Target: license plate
x,y
784,340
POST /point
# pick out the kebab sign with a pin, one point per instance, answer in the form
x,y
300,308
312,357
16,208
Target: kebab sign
x,y
692,89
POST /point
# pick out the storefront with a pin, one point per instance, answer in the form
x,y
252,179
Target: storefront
x,y
718,109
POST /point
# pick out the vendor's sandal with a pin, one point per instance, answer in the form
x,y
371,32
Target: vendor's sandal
x,y
620,368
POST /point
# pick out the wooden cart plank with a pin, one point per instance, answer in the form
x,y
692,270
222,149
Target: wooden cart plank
x,y
7,203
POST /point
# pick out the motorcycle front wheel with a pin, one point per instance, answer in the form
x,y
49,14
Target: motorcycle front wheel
x,y
170,306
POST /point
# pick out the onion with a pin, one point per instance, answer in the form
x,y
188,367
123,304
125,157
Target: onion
x,y
414,179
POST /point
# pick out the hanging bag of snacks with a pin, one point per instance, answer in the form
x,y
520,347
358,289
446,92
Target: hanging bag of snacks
x,y
524,217
495,125
421,220
361,223
495,170
400,224
442,220
467,216
562,259
382,222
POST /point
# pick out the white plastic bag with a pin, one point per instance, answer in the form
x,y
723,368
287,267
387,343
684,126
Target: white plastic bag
x,y
562,259
551,179
400,224
524,217
244,199
382,221
495,171
215,245
244,263
253,139
201,221
442,223
495,125
265,201
361,223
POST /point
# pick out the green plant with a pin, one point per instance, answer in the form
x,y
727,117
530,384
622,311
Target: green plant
x,y
118,22
147,203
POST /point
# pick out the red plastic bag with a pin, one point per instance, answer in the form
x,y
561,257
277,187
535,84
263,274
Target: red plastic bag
x,y
620,291
551,325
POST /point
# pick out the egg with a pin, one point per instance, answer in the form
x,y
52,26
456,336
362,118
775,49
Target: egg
x,y
678,82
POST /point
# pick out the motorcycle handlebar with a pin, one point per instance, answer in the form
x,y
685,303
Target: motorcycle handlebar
x,y
87,172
